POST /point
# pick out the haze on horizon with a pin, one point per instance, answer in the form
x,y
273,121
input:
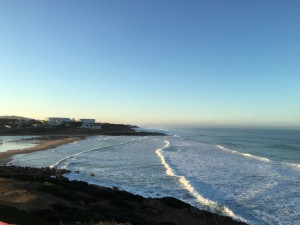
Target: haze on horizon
x,y
232,63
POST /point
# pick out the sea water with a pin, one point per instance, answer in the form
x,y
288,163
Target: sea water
x,y
16,142
250,175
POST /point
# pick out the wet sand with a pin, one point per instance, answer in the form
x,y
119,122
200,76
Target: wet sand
x,y
45,143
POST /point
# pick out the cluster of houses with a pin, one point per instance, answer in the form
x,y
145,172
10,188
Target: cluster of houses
x,y
9,122
85,123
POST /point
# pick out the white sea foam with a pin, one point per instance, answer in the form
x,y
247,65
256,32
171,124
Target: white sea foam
x,y
188,186
243,154
71,156
263,192
294,165
94,149
169,170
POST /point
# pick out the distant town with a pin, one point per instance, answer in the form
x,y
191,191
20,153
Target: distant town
x,y
14,122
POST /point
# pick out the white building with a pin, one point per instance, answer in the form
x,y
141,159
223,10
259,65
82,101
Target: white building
x,y
87,121
55,121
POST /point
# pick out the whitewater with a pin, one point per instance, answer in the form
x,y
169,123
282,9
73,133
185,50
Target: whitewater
x,y
228,173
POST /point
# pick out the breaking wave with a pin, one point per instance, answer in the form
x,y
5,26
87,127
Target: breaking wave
x,y
294,165
214,206
94,149
243,154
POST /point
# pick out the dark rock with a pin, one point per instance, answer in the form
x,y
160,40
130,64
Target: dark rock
x,y
77,202
82,203
175,203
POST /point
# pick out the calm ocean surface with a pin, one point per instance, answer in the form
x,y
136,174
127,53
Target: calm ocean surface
x,y
251,175
16,142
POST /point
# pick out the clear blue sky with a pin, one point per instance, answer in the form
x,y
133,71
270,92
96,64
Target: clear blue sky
x,y
159,61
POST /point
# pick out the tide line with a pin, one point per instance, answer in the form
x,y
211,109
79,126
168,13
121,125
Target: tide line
x,y
188,186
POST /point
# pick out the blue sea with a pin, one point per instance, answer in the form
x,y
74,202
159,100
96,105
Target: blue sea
x,y
252,175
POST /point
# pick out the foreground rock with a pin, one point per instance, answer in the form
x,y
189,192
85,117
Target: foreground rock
x,y
30,196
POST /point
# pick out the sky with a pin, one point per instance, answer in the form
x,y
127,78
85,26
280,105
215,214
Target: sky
x,y
194,62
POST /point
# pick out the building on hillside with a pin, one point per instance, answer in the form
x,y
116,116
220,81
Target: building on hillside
x,y
95,127
89,123
55,121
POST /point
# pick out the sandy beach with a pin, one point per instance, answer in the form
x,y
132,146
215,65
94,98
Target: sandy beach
x,y
46,142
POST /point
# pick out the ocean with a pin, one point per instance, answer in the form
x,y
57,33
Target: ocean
x,y
252,175
16,142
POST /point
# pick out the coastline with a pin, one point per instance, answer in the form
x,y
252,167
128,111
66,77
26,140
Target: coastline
x,y
54,137
44,143
24,191
106,129
43,196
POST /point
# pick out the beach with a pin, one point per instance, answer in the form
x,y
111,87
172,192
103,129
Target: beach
x,y
43,143
231,172
52,137
216,170
31,196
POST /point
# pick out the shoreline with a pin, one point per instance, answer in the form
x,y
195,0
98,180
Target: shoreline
x,y
43,196
44,143
43,178
54,137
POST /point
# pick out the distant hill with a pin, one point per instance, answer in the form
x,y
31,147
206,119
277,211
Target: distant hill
x,y
15,117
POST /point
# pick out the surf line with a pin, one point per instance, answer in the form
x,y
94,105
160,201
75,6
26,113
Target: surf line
x,y
95,149
243,154
187,185
71,156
